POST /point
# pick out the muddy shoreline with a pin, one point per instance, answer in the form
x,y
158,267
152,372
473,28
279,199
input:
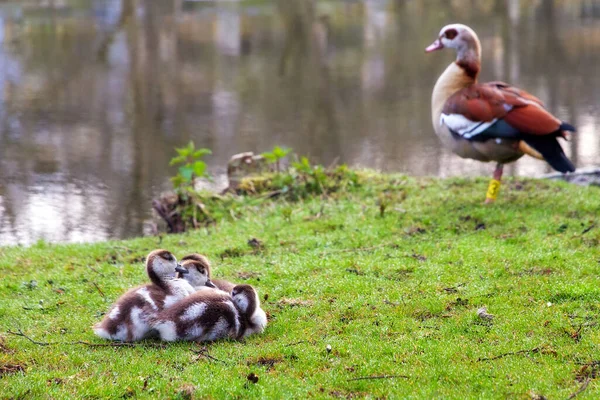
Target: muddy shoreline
x,y
582,177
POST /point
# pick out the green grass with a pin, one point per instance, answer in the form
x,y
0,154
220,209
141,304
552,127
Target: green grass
x,y
393,295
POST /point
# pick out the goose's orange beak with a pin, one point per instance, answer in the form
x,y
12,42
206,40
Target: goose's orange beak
x,y
437,45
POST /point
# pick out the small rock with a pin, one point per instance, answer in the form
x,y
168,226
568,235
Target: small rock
x,y
483,314
32,284
255,243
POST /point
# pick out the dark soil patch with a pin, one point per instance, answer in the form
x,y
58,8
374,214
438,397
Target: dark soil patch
x,y
285,302
543,271
233,253
457,303
267,362
4,348
6,369
247,275
355,271
588,371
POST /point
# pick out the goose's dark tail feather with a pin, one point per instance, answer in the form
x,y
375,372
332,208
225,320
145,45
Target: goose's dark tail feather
x,y
549,147
564,126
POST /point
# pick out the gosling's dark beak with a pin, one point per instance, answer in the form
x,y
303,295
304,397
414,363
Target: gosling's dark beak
x,y
210,284
181,270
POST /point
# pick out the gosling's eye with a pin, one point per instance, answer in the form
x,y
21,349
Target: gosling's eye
x,y
450,34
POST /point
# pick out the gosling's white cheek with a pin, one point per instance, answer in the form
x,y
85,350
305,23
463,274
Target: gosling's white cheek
x,y
193,280
242,302
165,268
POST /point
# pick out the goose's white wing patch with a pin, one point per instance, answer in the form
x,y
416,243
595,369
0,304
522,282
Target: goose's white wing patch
x,y
194,311
464,126
145,293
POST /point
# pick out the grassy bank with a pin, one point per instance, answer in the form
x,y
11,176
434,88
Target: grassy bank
x,y
394,295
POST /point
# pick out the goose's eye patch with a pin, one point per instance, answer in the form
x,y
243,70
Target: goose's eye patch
x,y
167,256
450,34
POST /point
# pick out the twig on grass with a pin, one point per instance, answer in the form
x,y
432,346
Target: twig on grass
x,y
581,388
20,333
203,352
299,342
117,344
95,270
361,378
453,289
98,288
110,344
42,308
590,364
589,228
512,353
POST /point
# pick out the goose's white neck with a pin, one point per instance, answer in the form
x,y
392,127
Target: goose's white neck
x,y
453,79
461,73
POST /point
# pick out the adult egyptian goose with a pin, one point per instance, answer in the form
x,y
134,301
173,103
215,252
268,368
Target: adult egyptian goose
x,y
200,272
128,319
490,121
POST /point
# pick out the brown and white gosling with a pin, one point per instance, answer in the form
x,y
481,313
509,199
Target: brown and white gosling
x,y
200,269
128,318
208,315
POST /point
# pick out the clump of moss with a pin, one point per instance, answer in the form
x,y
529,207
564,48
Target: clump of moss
x,y
300,181
266,178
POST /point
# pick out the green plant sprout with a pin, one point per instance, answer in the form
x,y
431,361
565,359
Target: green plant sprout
x,y
276,155
191,166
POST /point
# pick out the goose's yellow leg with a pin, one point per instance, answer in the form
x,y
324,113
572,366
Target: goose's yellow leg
x,y
494,187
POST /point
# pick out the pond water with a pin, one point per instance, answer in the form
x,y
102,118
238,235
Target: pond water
x,y
95,95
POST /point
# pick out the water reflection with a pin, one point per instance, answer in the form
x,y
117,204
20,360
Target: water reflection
x,y
94,95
